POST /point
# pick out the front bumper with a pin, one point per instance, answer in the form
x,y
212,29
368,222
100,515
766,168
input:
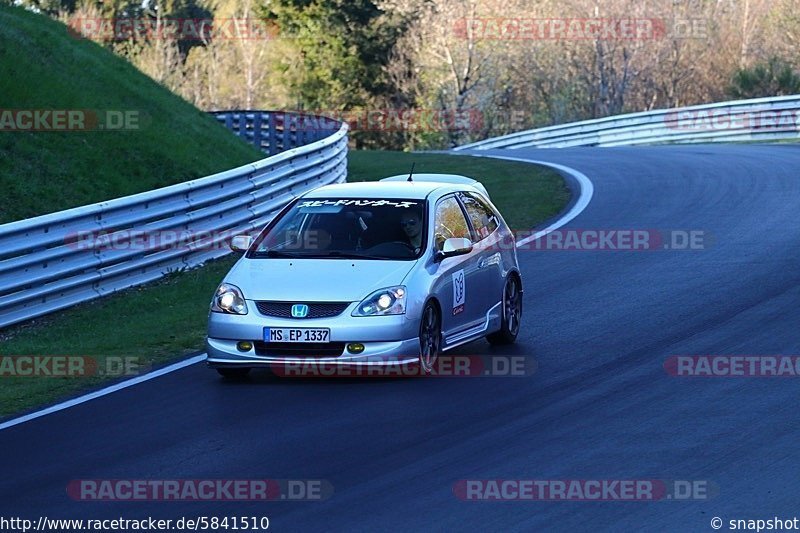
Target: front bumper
x,y
387,340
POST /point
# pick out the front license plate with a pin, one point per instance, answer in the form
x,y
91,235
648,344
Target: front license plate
x,y
297,334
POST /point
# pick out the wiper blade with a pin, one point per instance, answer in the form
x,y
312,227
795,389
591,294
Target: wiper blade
x,y
313,255
277,253
353,255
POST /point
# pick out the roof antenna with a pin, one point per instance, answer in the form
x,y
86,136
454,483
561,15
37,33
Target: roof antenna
x,y
412,171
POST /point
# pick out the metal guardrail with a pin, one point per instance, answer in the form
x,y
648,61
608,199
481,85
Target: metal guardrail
x,y
47,263
759,119
273,132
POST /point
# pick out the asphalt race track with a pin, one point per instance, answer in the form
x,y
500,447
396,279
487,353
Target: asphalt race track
x,y
599,324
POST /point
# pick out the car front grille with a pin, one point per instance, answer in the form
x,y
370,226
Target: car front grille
x,y
315,310
299,349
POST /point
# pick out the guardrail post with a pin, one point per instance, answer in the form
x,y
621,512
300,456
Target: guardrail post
x,y
287,133
257,130
243,126
273,124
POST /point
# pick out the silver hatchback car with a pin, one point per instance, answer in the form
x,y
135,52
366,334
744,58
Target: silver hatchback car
x,y
375,273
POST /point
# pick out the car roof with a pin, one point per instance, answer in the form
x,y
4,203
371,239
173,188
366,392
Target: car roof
x,y
420,187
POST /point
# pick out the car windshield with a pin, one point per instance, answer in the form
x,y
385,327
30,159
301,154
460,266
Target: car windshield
x,y
347,228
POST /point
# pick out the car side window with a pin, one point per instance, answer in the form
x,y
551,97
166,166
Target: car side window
x,y
449,222
480,214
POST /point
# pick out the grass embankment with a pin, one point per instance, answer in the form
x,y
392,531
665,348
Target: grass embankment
x,y
43,67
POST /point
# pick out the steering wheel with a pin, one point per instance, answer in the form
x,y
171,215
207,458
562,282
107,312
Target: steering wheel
x,y
407,245
389,246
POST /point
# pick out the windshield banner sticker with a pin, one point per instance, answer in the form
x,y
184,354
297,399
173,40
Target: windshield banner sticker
x,y
357,203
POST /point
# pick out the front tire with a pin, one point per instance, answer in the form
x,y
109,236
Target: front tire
x,y
233,373
512,313
430,337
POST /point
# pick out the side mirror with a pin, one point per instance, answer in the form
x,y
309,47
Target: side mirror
x,y
241,243
454,246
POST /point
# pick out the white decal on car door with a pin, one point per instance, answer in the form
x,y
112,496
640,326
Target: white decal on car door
x,y
459,292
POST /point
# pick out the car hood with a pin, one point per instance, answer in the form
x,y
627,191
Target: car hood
x,y
315,280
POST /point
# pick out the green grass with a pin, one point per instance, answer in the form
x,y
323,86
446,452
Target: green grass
x,y
525,194
154,324
166,320
43,67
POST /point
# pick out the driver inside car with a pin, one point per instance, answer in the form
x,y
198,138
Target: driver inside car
x,y
412,226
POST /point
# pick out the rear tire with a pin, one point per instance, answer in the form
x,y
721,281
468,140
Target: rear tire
x,y
430,337
512,313
233,373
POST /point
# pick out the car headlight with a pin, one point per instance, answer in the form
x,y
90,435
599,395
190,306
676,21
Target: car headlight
x,y
388,301
229,299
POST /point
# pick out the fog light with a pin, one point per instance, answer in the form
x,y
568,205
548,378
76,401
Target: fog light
x,y
355,347
244,346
